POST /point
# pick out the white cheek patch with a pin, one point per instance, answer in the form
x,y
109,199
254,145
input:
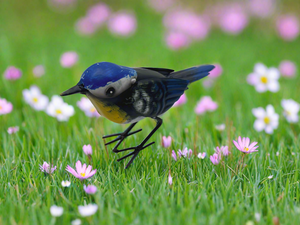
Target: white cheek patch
x,y
120,86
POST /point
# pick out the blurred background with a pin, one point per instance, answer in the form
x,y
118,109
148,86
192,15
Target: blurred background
x,y
35,35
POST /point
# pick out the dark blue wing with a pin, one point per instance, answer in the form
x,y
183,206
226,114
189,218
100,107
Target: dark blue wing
x,y
153,97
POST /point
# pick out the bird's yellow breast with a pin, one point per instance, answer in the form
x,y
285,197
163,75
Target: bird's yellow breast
x,y
109,111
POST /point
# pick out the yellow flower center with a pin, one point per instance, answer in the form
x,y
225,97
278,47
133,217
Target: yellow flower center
x,y
264,80
0,107
35,99
246,149
82,174
58,111
92,110
267,120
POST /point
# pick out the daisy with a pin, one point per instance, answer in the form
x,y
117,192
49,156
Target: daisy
x,y
264,79
244,145
201,155
205,104
291,110
46,168
87,149
65,183
223,150
90,189
265,119
87,107
166,141
5,106
59,109
35,99
56,211
88,210
68,59
215,158
82,171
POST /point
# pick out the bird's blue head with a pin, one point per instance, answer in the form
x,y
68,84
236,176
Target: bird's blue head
x,y
104,80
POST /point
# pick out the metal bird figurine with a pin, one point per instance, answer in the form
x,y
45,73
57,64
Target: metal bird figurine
x,y
128,95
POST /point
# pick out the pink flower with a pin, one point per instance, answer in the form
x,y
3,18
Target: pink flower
x,y
82,172
205,104
12,130
166,141
85,26
188,23
170,180
287,68
68,59
262,8
90,189
87,107
201,155
176,40
243,145
87,149
5,106
216,72
233,19
161,5
182,100
215,158
187,153
174,156
122,23
222,150
288,27
98,14
12,73
38,71
46,168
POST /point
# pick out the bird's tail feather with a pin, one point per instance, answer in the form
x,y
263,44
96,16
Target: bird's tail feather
x,y
192,74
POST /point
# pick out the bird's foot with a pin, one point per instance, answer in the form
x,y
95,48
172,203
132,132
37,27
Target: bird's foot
x,y
120,137
134,154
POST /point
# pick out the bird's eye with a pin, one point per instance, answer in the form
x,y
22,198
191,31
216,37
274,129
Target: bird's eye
x,y
110,92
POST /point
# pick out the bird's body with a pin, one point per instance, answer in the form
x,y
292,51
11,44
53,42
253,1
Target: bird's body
x,y
127,95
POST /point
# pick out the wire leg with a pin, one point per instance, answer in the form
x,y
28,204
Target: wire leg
x,y
142,145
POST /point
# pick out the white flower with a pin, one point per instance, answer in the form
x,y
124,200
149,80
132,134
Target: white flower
x,y
266,119
291,109
65,183
56,211
59,109
76,222
277,153
87,210
220,127
35,99
257,217
264,79
270,177
201,155
87,107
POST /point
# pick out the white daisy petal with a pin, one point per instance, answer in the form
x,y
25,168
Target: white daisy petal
x,y
259,87
273,86
273,73
259,125
259,112
269,129
260,68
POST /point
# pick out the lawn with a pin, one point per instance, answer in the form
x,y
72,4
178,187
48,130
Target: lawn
x,y
264,183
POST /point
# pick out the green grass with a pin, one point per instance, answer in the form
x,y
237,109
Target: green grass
x,y
202,193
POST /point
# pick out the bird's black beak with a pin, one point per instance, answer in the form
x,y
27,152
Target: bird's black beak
x,y
73,90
